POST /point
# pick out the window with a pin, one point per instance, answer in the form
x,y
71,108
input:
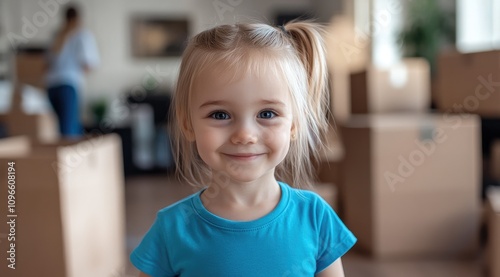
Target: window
x,y
478,25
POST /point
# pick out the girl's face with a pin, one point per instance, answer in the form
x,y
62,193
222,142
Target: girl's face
x,y
242,129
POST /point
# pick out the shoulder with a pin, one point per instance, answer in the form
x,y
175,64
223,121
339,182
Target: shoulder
x,y
84,34
307,202
180,210
307,198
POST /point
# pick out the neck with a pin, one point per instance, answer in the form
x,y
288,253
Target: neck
x,y
229,193
242,201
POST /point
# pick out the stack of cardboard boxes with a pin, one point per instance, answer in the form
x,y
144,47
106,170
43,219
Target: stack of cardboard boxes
x,y
30,70
68,209
66,196
470,83
410,179
348,52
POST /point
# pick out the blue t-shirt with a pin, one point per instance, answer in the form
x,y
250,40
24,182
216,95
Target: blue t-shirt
x,y
301,236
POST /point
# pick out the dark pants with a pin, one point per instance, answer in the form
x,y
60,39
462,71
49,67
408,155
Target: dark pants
x,y
64,100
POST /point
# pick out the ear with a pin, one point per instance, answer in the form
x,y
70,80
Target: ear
x,y
293,132
187,130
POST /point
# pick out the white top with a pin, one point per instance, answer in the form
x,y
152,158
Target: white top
x,y
67,66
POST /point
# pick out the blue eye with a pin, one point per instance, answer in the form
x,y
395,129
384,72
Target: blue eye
x,y
219,115
267,114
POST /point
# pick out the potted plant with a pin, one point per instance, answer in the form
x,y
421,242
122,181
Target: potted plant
x,y
428,28
99,108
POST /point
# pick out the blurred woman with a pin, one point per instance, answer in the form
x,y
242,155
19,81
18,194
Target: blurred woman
x,y
72,54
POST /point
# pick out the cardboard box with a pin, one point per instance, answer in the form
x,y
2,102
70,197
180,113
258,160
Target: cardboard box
x,y
348,51
493,246
469,83
328,191
31,68
38,127
412,184
69,210
404,87
42,127
495,160
13,147
329,170
331,156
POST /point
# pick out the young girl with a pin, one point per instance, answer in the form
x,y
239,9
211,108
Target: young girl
x,y
250,112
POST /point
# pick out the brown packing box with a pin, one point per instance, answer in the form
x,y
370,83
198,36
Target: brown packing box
x,y
69,210
495,160
329,170
412,184
331,157
38,127
328,192
404,87
469,83
493,246
42,127
30,69
13,147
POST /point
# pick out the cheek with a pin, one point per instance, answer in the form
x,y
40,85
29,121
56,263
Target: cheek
x,y
277,138
205,150
207,139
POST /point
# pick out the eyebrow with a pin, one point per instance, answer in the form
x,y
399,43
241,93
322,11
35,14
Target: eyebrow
x,y
273,102
222,102
213,103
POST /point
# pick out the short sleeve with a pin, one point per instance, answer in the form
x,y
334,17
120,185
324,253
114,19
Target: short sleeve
x,y
151,255
89,54
334,237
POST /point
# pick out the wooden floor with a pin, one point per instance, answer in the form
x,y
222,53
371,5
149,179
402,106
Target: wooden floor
x,y
145,195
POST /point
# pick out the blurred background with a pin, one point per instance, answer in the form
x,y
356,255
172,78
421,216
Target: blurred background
x,y
413,160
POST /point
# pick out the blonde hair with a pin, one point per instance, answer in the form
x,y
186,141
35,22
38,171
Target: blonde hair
x,y
296,52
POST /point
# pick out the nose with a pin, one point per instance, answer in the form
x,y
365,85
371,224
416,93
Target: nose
x,y
244,133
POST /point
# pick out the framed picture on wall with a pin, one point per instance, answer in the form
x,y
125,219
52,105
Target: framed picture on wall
x,y
158,37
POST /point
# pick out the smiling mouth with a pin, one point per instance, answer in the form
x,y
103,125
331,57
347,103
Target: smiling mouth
x,y
244,156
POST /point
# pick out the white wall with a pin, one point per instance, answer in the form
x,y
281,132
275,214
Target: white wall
x,y
109,20
4,45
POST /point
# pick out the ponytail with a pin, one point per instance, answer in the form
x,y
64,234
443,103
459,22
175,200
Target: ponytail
x,y
307,38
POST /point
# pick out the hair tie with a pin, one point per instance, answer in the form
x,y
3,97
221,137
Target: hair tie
x,y
282,28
